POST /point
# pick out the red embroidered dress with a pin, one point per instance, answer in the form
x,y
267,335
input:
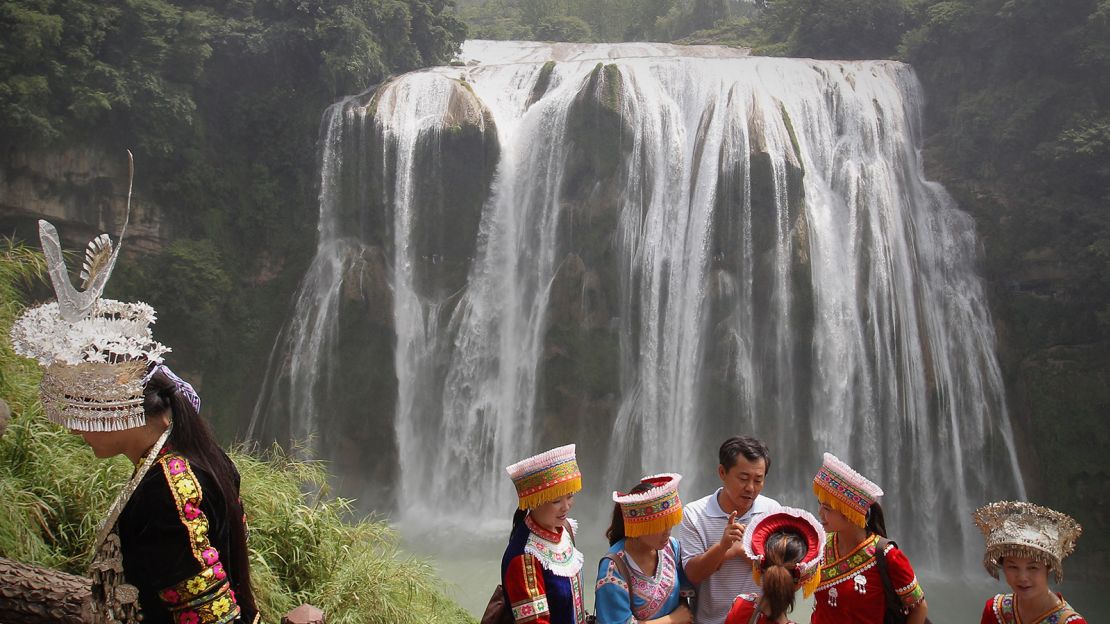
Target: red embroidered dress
x,y
175,542
743,608
1002,609
851,591
541,575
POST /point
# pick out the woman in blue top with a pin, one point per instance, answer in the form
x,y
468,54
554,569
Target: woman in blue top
x,y
641,579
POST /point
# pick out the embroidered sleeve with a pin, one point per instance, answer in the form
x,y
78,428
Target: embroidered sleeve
x,y
612,601
685,587
525,591
205,597
903,578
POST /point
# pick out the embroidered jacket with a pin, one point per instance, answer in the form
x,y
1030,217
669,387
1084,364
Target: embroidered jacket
x,y
175,539
1002,610
743,608
541,575
851,589
652,596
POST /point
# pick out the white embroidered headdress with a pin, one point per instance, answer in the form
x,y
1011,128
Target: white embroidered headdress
x,y
94,352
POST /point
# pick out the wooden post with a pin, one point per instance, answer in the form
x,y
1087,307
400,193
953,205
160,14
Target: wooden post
x,y
31,594
304,614
5,416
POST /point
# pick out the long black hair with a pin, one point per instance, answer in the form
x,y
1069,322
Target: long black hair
x,y
876,524
192,436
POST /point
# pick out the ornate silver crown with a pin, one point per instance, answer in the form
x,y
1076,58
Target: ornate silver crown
x,y
94,351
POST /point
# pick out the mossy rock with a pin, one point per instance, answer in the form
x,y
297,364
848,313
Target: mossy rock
x,y
542,84
455,165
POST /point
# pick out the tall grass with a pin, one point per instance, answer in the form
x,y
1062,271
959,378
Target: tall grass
x,y
303,549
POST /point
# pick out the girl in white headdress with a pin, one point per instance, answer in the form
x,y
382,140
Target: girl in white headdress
x,y
1026,542
541,568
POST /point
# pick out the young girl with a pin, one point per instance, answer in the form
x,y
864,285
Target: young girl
x,y
1027,541
641,579
541,568
851,588
786,547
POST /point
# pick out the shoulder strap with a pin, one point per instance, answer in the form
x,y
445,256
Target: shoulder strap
x,y
892,601
623,570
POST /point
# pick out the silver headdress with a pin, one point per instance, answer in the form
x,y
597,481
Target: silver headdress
x,y
95,352
1018,529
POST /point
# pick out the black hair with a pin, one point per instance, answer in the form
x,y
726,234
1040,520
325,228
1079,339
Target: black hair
x,y
615,532
876,524
781,551
192,436
751,448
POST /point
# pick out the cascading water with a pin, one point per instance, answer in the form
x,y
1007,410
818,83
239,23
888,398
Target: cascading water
x,y
645,248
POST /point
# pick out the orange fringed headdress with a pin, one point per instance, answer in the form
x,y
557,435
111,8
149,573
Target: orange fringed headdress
x,y
545,477
654,510
845,490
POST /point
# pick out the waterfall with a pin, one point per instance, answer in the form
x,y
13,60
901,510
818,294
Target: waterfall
x,y
644,249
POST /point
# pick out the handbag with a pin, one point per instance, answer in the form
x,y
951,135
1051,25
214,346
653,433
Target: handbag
x,y
894,613
497,611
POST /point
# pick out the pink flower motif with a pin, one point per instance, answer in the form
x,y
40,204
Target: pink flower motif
x,y
218,571
177,466
188,617
171,596
191,511
210,556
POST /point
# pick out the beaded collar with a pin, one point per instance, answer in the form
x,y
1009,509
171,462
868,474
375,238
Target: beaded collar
x,y
554,550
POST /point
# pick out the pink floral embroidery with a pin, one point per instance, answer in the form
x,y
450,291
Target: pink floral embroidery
x,y
171,596
210,556
177,465
191,511
218,571
189,617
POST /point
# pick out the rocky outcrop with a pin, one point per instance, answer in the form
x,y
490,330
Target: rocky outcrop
x,y
82,190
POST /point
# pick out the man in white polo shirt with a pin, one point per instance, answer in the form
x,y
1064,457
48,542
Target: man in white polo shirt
x,y
712,528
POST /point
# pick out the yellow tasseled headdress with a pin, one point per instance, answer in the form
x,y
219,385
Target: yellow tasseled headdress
x,y
545,477
845,490
654,510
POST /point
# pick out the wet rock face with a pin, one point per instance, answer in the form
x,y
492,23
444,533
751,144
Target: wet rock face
x,y
581,363
83,192
455,167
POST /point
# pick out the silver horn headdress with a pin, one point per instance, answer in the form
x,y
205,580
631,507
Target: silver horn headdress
x,y
94,352
1019,529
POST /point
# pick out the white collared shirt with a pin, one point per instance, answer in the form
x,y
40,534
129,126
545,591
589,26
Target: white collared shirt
x,y
703,523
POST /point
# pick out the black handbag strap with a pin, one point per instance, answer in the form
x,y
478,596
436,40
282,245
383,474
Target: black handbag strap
x,y
892,602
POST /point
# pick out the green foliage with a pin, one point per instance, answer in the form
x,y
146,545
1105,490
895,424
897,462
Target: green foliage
x,y
606,20
844,29
563,28
303,547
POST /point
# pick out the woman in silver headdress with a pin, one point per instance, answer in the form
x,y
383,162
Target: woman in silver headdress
x,y
172,547
1026,542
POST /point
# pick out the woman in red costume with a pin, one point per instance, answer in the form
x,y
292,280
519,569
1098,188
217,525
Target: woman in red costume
x,y
851,587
